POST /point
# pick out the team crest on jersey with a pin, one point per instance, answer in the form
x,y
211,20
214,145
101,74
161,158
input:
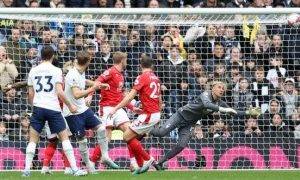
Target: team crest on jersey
x,y
106,73
136,82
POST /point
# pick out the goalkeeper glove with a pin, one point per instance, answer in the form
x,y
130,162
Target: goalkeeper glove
x,y
254,112
227,110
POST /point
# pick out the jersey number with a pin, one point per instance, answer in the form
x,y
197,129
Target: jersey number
x,y
155,87
40,85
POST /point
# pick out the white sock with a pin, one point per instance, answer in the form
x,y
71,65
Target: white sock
x,y
102,141
30,151
83,148
133,162
68,150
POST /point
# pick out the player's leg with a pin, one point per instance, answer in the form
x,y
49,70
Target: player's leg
x,y
184,134
173,122
48,155
50,149
76,125
134,163
92,121
57,125
36,125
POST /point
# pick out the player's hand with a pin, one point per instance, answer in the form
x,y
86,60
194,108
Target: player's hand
x,y
227,110
96,85
72,108
104,86
137,110
88,100
254,112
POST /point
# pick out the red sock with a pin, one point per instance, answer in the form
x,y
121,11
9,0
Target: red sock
x,y
49,153
96,154
138,149
139,159
65,159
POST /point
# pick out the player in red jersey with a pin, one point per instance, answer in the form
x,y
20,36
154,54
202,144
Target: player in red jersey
x,y
147,85
110,98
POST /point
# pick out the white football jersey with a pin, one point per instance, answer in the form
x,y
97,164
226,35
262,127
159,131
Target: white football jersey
x,y
43,79
74,79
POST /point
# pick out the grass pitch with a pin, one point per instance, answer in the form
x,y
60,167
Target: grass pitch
x,y
165,175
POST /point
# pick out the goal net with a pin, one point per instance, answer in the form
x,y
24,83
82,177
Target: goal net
x,y
256,53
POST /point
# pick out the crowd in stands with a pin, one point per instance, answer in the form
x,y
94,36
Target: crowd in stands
x,y
149,3
264,73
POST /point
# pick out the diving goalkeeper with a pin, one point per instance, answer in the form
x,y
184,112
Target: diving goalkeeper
x,y
187,116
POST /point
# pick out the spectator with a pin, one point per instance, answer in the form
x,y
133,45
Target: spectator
x,y
230,40
8,70
164,50
102,4
100,37
12,106
278,127
219,130
119,37
239,3
63,54
13,46
289,96
177,39
261,47
235,58
34,4
294,3
218,57
105,56
138,3
31,60
173,73
55,3
3,134
7,3
198,132
78,3
220,73
196,80
251,129
296,122
28,35
274,108
119,4
192,56
170,4
153,4
261,89
46,39
243,97
276,73
23,134
249,68
211,4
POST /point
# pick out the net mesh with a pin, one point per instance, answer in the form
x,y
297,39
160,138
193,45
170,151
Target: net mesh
x,y
257,56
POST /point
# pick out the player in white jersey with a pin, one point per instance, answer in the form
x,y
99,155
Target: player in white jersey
x,y
44,87
84,118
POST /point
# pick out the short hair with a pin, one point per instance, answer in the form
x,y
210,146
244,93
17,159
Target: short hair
x,y
260,68
82,58
146,61
47,53
118,57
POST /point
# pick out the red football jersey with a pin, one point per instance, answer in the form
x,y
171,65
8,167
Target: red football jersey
x,y
114,95
148,87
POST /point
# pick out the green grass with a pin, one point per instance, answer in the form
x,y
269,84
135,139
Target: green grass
x,y
172,175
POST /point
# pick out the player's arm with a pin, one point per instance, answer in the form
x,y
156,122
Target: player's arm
x,y
224,108
78,93
101,85
61,95
30,95
127,99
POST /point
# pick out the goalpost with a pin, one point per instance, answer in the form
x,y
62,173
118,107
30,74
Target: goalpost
x,y
256,52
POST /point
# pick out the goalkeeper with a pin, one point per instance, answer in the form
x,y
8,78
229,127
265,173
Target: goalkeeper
x,y
187,116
